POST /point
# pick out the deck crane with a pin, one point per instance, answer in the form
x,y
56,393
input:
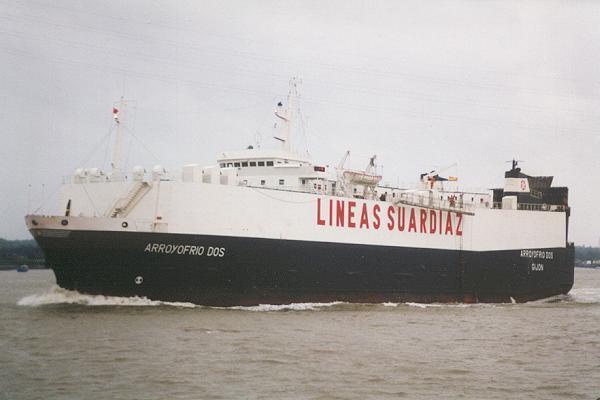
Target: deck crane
x,y
429,178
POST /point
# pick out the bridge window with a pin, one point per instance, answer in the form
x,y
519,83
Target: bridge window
x,y
261,163
222,165
245,164
269,163
237,164
262,182
253,163
282,182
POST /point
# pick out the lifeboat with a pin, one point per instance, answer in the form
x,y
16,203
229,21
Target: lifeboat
x,y
361,178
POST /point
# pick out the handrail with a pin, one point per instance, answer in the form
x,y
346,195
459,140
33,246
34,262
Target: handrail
x,y
418,200
534,207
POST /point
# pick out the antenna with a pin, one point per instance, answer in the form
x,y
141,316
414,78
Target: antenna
x,y
514,162
29,198
257,139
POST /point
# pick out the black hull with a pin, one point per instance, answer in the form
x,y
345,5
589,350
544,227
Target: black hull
x,y
250,271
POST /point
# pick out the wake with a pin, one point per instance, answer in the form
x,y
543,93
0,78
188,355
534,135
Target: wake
x,y
58,295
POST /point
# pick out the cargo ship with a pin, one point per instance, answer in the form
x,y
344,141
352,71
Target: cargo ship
x,y
268,226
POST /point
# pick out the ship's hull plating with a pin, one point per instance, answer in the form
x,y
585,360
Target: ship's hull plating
x,y
228,271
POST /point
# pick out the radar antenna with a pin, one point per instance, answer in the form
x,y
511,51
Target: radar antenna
x,y
515,162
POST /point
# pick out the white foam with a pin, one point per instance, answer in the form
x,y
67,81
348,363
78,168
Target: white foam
x,y
454,305
286,307
579,295
585,295
423,305
57,295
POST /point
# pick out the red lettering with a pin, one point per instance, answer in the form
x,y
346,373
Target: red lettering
x,y
432,221
423,224
448,223
330,212
390,224
351,223
440,222
401,218
377,221
364,217
412,225
459,226
319,220
340,214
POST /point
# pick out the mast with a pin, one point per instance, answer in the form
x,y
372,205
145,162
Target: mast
x,y
288,113
117,168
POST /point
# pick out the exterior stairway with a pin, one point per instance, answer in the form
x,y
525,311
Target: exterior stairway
x,y
126,203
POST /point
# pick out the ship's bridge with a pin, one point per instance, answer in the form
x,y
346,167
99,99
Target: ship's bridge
x,y
259,158
277,169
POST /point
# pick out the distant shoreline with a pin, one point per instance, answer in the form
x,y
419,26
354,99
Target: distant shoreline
x,y
14,267
588,266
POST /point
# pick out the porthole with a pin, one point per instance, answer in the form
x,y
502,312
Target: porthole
x,y
124,224
64,222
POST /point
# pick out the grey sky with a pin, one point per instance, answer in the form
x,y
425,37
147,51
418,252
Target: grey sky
x,y
420,84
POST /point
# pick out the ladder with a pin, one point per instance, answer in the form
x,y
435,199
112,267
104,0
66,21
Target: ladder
x,y
126,203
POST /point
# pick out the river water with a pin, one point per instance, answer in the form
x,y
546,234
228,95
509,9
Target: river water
x,y
56,344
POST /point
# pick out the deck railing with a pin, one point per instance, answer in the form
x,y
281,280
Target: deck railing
x,y
534,207
419,200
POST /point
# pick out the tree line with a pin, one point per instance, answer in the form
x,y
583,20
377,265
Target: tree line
x,y
585,253
16,252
